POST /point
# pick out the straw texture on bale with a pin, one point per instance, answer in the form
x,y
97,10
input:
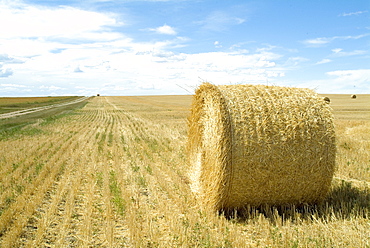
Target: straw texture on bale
x,y
253,145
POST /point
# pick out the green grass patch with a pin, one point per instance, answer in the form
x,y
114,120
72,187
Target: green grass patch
x,y
141,181
18,130
99,179
110,139
38,168
116,192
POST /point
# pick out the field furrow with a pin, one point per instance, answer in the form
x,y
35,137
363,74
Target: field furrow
x,y
52,207
49,166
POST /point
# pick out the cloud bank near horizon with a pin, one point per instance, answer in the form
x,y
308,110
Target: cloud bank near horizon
x,y
72,50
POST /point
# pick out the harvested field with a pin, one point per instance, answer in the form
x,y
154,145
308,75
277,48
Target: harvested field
x,y
114,174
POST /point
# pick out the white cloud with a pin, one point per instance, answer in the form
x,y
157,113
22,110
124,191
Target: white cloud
x,y
220,20
338,52
217,44
356,80
338,82
167,56
22,20
78,70
223,67
316,42
50,52
49,87
31,35
5,58
23,47
146,86
5,72
165,29
14,89
13,85
47,60
324,61
354,13
293,62
353,75
160,70
263,62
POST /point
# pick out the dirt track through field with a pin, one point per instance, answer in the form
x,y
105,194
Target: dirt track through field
x,y
32,110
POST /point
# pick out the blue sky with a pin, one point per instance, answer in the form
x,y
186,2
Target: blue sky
x,y
146,47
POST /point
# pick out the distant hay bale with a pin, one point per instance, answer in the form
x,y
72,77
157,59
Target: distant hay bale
x,y
255,145
326,99
353,96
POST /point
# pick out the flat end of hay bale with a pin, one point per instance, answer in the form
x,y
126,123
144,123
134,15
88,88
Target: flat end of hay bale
x,y
209,146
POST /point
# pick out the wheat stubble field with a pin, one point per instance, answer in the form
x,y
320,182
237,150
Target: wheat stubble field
x,y
114,173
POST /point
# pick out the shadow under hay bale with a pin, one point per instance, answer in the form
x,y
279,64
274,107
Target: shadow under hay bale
x,y
347,201
344,201
259,145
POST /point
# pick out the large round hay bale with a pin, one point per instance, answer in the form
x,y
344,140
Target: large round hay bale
x,y
353,96
256,145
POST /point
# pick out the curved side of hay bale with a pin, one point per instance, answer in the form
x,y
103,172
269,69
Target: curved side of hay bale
x,y
353,96
254,145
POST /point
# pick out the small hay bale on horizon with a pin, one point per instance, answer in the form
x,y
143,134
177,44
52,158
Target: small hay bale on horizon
x,y
326,99
353,96
254,145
